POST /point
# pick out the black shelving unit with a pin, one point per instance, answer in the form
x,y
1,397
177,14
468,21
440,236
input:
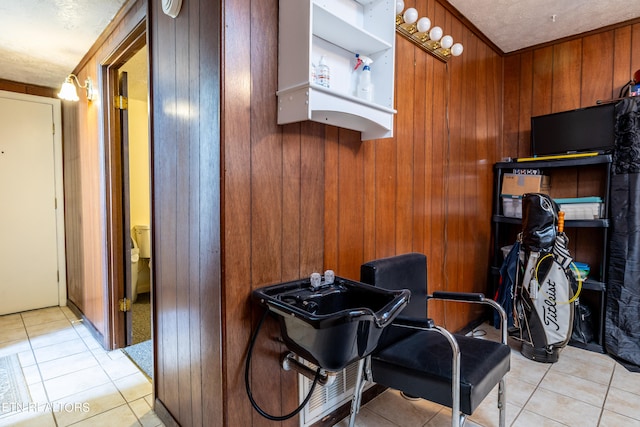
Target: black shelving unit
x,y
506,229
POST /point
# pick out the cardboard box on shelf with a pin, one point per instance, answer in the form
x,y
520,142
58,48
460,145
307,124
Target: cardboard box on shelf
x,y
517,184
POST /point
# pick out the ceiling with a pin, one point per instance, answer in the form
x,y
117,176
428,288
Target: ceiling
x,y
515,24
43,40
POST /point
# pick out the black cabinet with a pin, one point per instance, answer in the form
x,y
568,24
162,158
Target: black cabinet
x,y
588,239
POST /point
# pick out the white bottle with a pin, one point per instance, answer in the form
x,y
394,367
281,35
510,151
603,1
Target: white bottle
x,y
323,73
365,87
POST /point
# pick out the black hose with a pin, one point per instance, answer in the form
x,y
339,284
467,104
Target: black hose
x,y
248,387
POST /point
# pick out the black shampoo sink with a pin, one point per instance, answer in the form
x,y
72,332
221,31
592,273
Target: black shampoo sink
x,y
331,325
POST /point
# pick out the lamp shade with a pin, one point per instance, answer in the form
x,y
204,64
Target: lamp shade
x,y
68,91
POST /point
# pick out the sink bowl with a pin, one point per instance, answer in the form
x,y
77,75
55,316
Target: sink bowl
x,y
333,324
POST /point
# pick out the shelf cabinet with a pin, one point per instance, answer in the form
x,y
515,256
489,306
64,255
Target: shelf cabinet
x,y
588,239
337,30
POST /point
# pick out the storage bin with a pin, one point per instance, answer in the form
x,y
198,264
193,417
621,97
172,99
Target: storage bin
x,y
512,206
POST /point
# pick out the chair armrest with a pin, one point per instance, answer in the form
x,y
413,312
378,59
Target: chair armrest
x,y
458,296
475,298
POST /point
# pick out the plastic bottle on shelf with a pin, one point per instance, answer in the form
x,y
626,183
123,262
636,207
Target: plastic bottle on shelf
x,y
323,73
365,87
314,77
353,85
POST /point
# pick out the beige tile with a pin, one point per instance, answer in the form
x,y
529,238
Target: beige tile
x,y
43,315
518,392
38,329
611,419
564,409
38,393
579,355
488,415
76,382
88,403
56,351
29,418
119,368
58,337
149,399
623,403
134,386
145,414
527,370
12,334
529,419
31,374
27,358
69,314
626,380
392,406
68,364
11,321
583,367
120,416
366,418
443,419
584,390
14,347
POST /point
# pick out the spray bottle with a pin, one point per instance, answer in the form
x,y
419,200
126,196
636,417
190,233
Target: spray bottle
x,y
365,87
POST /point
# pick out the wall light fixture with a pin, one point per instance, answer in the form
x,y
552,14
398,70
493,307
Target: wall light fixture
x,y
68,90
420,33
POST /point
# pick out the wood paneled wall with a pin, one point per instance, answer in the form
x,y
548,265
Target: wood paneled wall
x,y
185,128
563,76
305,197
84,145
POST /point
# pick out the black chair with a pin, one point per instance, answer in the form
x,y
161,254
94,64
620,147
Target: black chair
x,y
423,360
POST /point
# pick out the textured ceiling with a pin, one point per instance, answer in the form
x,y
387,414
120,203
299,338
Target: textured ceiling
x,y
516,24
41,41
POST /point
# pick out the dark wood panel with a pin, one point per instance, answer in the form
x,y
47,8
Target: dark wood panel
x,y
541,102
621,60
567,67
597,68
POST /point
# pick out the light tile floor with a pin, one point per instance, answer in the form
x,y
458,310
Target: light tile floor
x,y
582,389
72,380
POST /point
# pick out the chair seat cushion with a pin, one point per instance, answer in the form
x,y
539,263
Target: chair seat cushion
x,y
420,365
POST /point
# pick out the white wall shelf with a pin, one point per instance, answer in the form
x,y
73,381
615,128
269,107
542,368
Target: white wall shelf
x,y
337,30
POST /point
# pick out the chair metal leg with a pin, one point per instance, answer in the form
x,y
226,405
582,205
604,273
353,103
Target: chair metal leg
x,y
357,392
455,376
502,402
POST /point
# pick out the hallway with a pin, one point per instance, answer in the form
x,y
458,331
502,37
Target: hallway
x,y
71,379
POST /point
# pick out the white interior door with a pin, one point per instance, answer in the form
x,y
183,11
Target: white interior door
x,y
30,223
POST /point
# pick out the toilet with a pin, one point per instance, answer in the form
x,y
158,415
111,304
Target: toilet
x,y
135,257
142,235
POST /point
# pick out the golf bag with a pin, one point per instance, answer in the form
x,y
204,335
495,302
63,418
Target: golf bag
x,y
543,295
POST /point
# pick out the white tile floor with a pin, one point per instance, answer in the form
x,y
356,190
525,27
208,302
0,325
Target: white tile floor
x,y
72,380
582,389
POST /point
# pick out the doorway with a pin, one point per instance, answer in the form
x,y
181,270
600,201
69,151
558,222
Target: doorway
x,y
128,155
136,192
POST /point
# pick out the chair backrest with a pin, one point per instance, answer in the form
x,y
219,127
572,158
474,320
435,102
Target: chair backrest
x,y
406,271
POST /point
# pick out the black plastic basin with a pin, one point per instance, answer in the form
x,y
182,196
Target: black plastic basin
x,y
334,324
